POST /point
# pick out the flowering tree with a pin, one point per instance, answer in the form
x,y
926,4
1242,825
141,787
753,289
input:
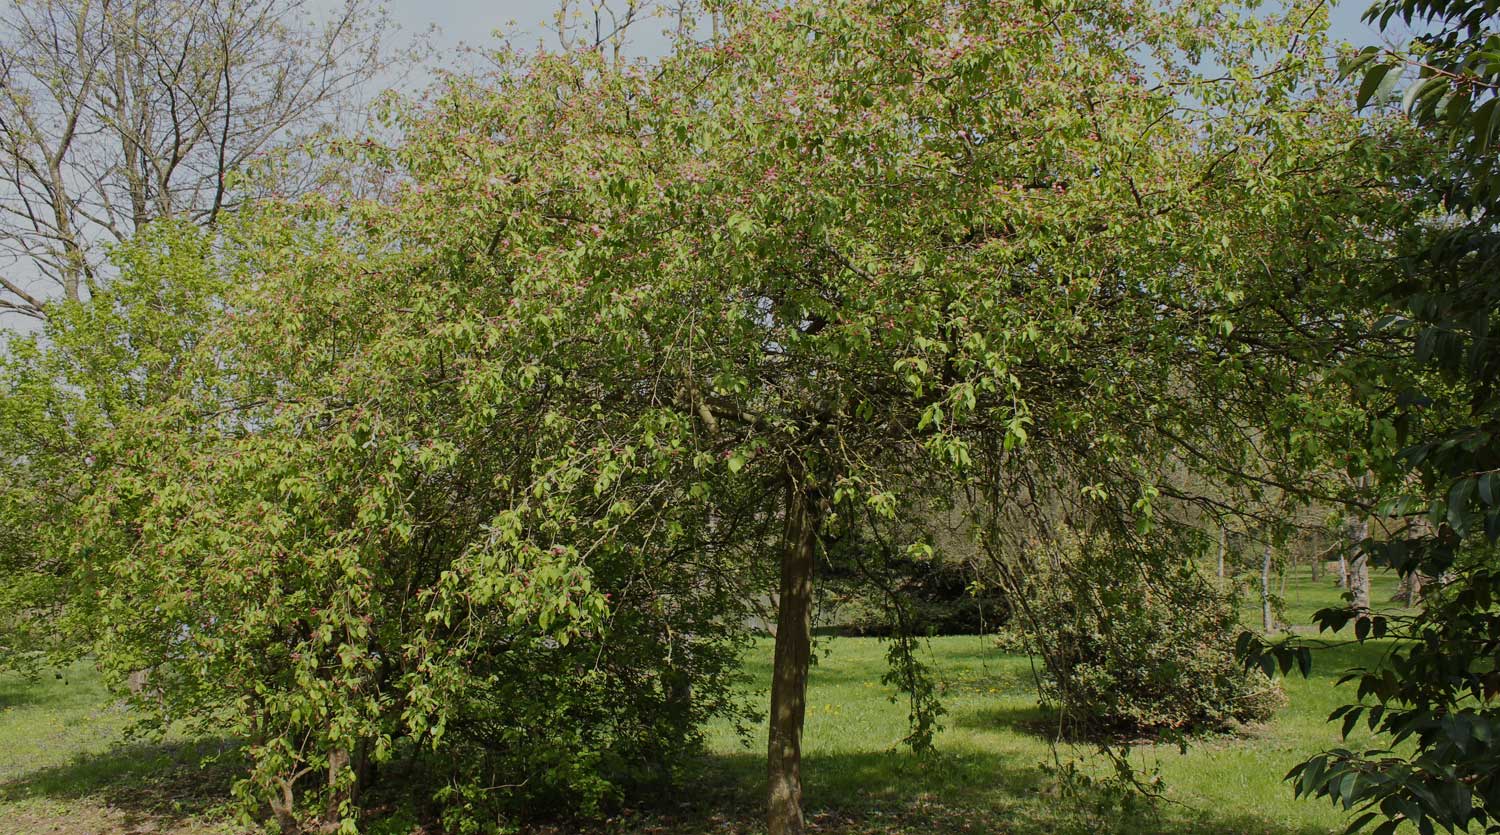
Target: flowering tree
x,y
463,465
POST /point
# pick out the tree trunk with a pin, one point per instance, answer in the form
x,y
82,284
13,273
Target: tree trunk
x,y
1223,545
789,674
338,760
340,792
1265,591
284,810
284,805
1359,570
1343,579
1411,590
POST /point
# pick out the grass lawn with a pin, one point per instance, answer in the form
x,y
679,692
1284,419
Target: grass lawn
x,y
1303,596
64,770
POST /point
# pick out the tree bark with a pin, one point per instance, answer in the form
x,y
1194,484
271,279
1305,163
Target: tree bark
x,y
1411,590
1223,544
333,812
341,759
1359,569
789,673
1265,591
284,810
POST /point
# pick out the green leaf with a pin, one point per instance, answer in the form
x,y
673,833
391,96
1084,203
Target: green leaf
x,y
1349,788
1360,59
741,224
1459,493
1371,83
1483,124
1421,89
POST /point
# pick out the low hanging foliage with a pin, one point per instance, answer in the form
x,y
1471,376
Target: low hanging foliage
x,y
64,391
1428,378
351,554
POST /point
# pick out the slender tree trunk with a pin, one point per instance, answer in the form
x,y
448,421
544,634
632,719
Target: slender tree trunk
x,y
1411,589
1343,578
1359,569
1265,591
789,674
1223,546
338,760
356,760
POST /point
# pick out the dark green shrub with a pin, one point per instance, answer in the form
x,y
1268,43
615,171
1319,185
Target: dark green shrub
x,y
941,596
1134,641
575,730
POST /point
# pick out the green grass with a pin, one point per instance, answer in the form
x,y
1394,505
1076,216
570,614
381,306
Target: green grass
x,y
62,769
1303,596
66,766
986,774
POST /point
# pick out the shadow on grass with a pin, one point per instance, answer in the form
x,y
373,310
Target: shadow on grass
x,y
44,688
169,781
1030,719
952,793
19,693
1046,725
1336,652
864,793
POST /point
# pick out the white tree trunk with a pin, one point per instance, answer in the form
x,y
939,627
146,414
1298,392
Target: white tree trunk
x,y
1359,568
1267,620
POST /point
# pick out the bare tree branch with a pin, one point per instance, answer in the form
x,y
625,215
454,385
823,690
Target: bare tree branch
x,y
114,113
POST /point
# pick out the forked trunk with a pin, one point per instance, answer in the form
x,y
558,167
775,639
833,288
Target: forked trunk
x,y
1411,590
789,674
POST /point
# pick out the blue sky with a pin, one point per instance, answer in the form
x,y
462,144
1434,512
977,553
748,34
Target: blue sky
x,y
473,21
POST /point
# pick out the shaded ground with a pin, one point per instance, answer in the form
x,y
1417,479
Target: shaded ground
x,y
65,770
62,771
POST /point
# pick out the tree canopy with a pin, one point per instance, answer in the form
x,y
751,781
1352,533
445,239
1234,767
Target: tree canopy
x,y
456,468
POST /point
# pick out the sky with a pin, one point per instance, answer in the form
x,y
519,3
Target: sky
x,y
472,21
450,24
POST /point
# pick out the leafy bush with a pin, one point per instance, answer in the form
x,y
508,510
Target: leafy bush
x,y
340,559
1135,641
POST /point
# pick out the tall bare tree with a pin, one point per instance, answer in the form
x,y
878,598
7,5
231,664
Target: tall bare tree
x,y
116,112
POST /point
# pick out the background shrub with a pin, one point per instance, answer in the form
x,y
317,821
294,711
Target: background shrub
x,y
942,596
1135,641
